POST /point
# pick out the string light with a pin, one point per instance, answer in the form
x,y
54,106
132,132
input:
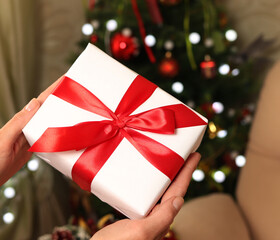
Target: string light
x,y
150,40
33,165
8,218
231,35
231,112
198,175
222,133
219,176
218,107
233,154
169,45
127,32
194,38
191,103
212,127
224,69
9,192
240,161
111,25
235,72
95,24
87,29
177,87
208,42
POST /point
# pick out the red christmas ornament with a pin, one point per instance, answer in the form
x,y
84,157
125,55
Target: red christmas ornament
x,y
93,38
169,67
170,2
208,68
124,47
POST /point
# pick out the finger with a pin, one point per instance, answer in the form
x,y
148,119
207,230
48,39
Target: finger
x,y
11,131
43,96
180,184
157,224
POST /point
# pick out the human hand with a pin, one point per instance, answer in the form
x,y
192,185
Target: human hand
x,y
156,224
13,145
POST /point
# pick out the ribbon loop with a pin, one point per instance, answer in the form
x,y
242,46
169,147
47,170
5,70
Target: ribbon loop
x,y
156,120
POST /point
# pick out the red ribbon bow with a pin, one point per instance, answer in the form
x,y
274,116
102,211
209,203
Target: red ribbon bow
x,y
101,138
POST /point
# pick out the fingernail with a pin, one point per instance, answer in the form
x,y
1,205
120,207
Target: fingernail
x,y
31,105
178,203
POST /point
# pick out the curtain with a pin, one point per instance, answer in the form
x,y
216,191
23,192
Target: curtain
x,y
18,47
36,38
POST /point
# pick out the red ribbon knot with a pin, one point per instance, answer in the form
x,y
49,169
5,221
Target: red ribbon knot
x,y
119,123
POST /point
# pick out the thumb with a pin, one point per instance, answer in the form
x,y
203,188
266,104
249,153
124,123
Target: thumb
x,y
159,221
12,130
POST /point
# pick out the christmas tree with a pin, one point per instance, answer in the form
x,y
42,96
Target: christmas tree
x,y
188,49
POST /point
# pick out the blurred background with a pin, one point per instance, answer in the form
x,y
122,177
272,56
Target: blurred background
x,y
212,55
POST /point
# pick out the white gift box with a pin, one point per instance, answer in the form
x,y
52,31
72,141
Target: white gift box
x,y
127,181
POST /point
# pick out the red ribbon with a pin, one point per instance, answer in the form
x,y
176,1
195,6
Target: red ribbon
x,y
154,11
101,138
142,31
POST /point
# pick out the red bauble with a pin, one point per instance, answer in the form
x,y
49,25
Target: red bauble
x,y
208,69
124,47
93,38
169,67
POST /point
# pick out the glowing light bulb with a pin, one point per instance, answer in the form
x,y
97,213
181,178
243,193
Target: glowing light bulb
x,y
233,154
224,69
191,103
127,32
150,40
87,29
194,38
222,133
198,175
9,192
95,24
208,42
218,107
231,35
33,165
235,72
8,217
240,161
169,45
212,127
111,25
177,87
231,112
219,176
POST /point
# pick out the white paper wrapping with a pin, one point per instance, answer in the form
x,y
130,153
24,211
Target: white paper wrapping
x,y
127,181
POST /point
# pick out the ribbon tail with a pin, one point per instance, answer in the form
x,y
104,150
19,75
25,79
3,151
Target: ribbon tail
x,y
92,160
160,156
75,137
